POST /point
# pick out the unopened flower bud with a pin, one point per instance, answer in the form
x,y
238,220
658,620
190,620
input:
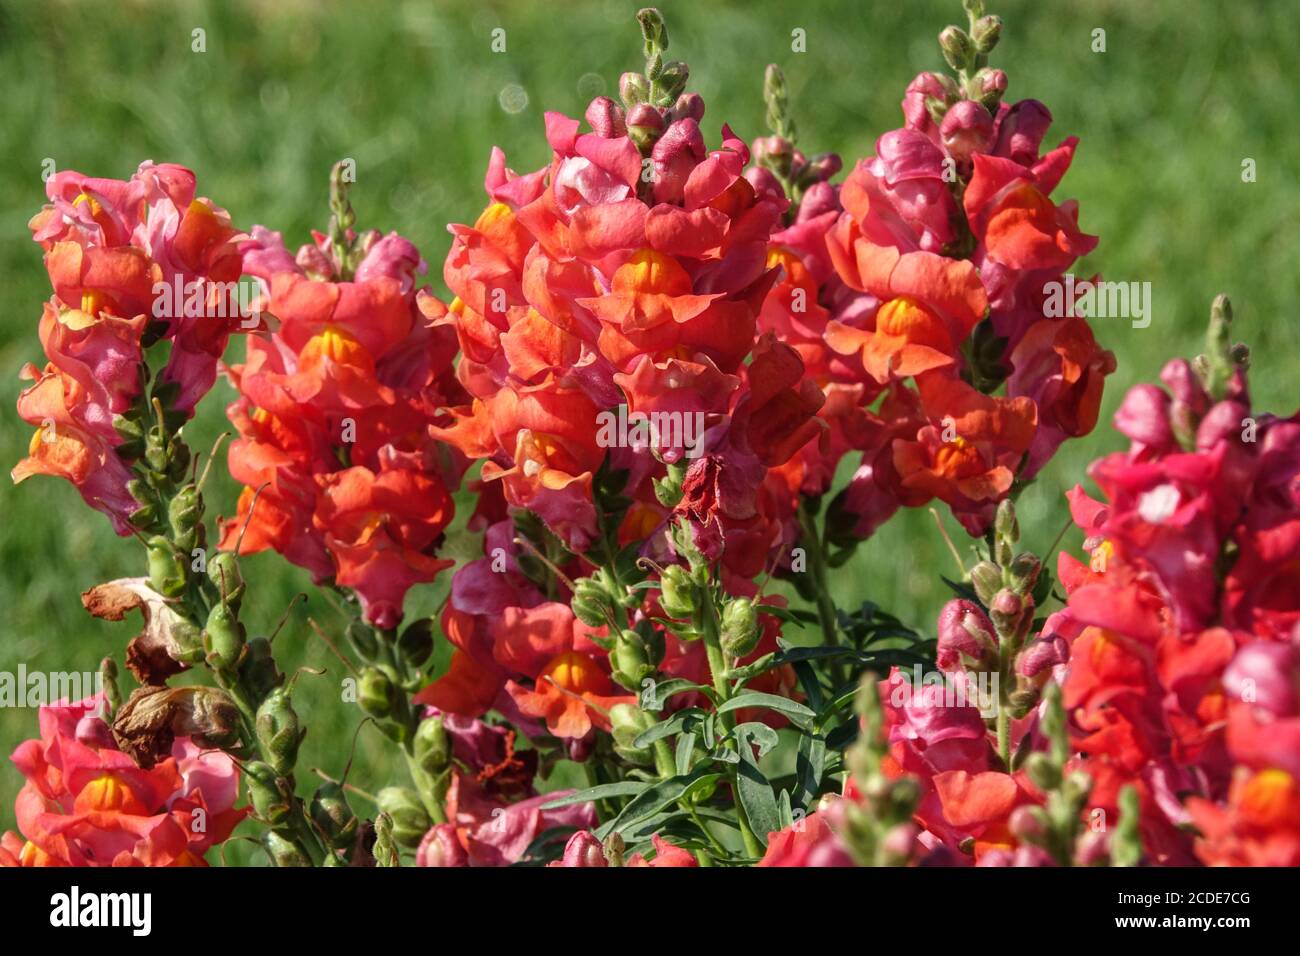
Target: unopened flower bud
x,y
1092,848
375,693
677,592
966,638
282,851
166,568
672,80
583,850
986,578
633,89
627,722
740,629
223,638
278,731
333,816
591,604
958,48
1038,658
267,792
1042,772
985,33
606,118
990,87
432,746
689,106
629,661
440,847
410,820
1004,522
967,128
645,117
223,571
1028,824
899,843
1023,572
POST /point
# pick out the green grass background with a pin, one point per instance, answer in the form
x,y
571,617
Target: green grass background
x,y
1185,91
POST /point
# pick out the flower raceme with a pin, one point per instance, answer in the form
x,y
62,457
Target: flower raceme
x,y
630,271
115,252
335,418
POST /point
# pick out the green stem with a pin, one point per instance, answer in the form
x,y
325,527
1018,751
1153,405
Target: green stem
x,y
717,670
814,547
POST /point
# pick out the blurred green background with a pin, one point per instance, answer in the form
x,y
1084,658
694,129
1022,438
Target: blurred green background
x,y
1184,92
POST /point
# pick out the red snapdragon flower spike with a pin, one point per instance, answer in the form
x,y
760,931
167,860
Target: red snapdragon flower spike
x,y
337,419
588,285
1181,676
86,803
121,255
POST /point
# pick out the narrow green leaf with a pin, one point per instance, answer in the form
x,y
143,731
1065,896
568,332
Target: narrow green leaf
x,y
770,701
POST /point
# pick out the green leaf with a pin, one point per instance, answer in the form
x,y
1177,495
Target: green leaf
x,y
667,728
810,765
753,791
656,798
685,751
761,735
624,788
770,701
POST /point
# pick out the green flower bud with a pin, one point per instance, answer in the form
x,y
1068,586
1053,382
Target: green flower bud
x,y
278,731
282,851
677,592
416,643
331,812
958,48
223,638
375,693
628,722
629,660
1042,771
739,627
268,793
432,746
1023,572
1005,523
591,604
223,571
166,568
108,678
672,80
986,578
410,821
985,34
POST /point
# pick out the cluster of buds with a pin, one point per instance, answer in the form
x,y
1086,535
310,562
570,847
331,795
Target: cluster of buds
x,y
1009,584
1059,832
874,819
